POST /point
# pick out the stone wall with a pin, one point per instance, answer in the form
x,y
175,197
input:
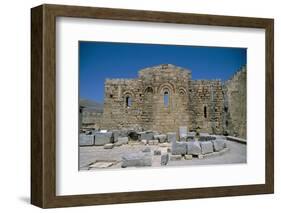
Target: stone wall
x,y
164,97
117,114
206,106
91,119
147,109
172,82
235,107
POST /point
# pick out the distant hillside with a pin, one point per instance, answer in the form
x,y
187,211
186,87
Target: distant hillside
x,y
91,106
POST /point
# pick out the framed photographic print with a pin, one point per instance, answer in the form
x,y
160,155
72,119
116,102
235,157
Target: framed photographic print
x,y
136,106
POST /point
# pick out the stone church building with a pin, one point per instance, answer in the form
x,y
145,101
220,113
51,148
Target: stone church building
x,y
165,97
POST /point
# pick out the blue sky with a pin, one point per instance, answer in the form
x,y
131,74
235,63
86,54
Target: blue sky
x,y
101,60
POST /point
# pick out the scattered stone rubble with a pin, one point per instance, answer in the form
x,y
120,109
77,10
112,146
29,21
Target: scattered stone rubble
x,y
189,146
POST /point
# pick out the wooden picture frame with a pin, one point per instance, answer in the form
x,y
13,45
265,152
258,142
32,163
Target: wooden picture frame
x,y
43,105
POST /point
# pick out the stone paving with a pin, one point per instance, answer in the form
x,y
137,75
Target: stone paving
x,y
235,153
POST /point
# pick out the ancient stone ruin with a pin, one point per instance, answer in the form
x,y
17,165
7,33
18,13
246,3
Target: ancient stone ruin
x,y
164,98
163,117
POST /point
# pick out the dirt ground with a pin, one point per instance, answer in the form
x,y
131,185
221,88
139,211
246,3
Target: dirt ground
x,y
236,154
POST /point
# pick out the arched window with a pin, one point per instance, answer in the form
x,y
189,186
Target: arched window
x,y
205,112
182,92
128,101
166,98
148,90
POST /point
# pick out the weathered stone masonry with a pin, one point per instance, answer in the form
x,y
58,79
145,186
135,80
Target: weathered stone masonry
x,y
164,97
235,102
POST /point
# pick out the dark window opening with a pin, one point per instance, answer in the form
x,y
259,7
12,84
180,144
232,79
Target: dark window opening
x,y
225,109
226,123
205,112
166,98
128,101
148,90
111,96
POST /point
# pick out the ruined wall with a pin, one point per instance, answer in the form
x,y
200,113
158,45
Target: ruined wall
x,y
116,113
235,108
147,109
164,97
172,82
206,106
91,119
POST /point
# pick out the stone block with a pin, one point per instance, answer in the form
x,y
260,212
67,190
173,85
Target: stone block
x,y
171,137
102,138
190,136
200,156
153,142
138,159
219,145
212,137
122,141
108,146
123,133
115,135
236,139
182,131
207,147
164,144
190,139
146,135
164,159
183,138
86,140
178,148
188,157
101,164
157,152
144,142
175,157
204,136
226,149
219,137
88,132
161,138
213,154
146,149
193,148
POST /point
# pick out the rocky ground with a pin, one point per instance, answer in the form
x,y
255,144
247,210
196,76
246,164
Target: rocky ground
x,y
96,157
